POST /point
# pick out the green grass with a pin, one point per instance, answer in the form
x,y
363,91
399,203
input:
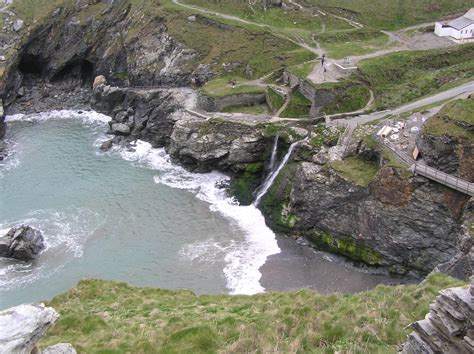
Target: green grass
x,y
356,169
349,98
392,14
275,100
256,109
456,119
220,87
298,107
403,77
34,11
302,70
107,317
352,42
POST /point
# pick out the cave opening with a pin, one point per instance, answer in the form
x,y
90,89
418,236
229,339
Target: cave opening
x,y
78,70
30,65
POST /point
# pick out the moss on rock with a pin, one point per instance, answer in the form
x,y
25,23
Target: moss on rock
x,y
243,186
347,247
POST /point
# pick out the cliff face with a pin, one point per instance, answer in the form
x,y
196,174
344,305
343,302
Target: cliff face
x,y
112,38
399,221
447,140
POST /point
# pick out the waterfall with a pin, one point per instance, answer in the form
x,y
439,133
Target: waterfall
x,y
274,174
274,154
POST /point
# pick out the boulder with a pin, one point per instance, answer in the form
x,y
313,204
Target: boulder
x,y
23,326
61,348
18,25
448,327
99,81
106,146
23,243
121,129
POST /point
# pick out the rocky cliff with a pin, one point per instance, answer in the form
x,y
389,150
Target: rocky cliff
x,y
389,218
447,140
448,327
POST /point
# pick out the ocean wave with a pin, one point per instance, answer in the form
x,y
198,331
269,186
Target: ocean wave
x,y
88,117
243,259
64,232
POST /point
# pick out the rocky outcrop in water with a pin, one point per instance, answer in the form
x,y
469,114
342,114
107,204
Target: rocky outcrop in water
x,y
23,326
226,145
144,114
448,327
23,243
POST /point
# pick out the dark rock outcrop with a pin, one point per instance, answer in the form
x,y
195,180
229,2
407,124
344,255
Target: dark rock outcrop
x,y
23,243
401,222
448,327
226,145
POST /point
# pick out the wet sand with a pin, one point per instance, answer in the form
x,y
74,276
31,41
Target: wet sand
x,y
299,266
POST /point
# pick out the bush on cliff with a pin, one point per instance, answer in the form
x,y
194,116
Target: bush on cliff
x,y
108,317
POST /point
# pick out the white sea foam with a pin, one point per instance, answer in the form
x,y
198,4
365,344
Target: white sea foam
x,y
243,259
88,117
64,232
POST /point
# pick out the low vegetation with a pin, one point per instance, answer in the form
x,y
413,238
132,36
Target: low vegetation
x,y
390,14
402,77
275,100
298,107
456,119
356,169
350,97
221,87
352,42
107,317
255,109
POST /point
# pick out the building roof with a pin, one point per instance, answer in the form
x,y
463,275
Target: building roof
x,y
463,21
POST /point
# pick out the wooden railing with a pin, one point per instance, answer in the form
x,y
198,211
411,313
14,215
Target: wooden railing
x,y
444,178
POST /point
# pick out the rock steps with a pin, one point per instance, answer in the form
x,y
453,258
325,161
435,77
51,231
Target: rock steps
x,y
448,327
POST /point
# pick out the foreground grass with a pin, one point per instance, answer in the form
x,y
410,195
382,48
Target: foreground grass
x,y
298,107
107,317
220,87
403,77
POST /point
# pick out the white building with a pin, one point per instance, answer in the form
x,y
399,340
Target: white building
x,y
460,29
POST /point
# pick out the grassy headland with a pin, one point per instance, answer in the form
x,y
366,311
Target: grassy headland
x,y
107,317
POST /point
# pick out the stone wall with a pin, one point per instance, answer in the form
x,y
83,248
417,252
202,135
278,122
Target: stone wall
x,y
212,104
448,327
318,97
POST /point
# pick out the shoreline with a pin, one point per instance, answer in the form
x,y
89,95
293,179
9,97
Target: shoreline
x,y
300,266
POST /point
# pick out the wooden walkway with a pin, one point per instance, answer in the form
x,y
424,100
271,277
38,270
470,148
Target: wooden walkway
x,y
444,178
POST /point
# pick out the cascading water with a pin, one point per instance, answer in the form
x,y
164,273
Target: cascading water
x,y
274,153
274,174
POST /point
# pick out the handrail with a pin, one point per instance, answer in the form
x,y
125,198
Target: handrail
x,y
444,178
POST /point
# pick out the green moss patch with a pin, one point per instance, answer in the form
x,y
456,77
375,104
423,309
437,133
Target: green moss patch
x,y
347,247
243,186
108,317
350,97
275,101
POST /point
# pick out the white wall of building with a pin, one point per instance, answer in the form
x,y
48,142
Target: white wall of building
x,y
445,31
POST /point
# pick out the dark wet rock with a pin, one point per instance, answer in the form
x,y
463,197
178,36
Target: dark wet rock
x,y
106,146
23,243
448,327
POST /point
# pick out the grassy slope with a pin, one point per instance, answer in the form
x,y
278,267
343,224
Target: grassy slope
x,y
220,87
107,317
402,77
392,14
356,169
298,107
451,119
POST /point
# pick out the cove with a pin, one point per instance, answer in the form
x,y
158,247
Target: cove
x,y
129,215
